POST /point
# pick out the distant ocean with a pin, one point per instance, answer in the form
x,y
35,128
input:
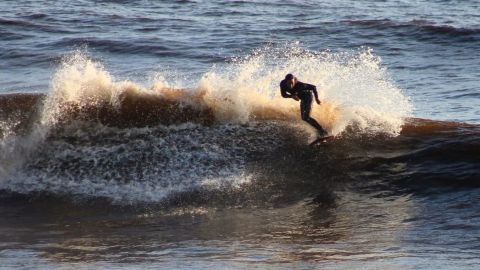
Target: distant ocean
x,y
152,134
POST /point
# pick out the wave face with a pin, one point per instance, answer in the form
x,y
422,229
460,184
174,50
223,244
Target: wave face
x,y
230,139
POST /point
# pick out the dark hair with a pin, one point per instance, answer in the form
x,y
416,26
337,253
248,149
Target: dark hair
x,y
289,77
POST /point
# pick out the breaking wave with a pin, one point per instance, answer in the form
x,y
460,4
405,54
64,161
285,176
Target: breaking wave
x,y
355,89
96,136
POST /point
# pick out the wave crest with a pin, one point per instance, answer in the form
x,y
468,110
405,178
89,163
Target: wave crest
x,y
354,88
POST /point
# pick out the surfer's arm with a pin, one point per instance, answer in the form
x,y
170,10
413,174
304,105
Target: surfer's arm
x,y
287,95
314,90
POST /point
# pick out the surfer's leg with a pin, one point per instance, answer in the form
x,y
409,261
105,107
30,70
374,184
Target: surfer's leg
x,y
316,125
305,109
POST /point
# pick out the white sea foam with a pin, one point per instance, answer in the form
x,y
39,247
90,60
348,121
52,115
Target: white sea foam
x,y
141,164
354,87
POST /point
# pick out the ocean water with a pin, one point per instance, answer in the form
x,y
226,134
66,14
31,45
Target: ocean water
x,y
152,134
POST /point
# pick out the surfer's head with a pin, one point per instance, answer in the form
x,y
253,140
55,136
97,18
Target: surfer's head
x,y
290,80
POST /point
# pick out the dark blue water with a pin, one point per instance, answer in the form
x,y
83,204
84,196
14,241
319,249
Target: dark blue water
x,y
245,194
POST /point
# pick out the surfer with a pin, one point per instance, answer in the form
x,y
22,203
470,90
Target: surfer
x,y
290,87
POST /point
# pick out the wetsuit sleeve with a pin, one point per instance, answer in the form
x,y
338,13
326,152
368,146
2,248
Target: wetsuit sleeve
x,y
284,92
313,88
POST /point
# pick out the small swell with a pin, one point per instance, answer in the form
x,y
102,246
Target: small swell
x,y
412,27
9,22
29,26
373,23
119,46
446,29
9,35
36,16
419,126
430,154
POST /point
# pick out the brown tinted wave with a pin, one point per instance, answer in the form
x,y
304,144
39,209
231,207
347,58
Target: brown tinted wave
x,y
427,154
175,107
422,141
134,110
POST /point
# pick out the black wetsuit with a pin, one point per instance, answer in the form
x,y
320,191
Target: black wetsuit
x,y
304,92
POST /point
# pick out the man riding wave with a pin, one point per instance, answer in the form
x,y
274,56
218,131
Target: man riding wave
x,y
290,87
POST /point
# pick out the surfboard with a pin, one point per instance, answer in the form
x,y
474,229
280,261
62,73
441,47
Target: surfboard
x,y
322,140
